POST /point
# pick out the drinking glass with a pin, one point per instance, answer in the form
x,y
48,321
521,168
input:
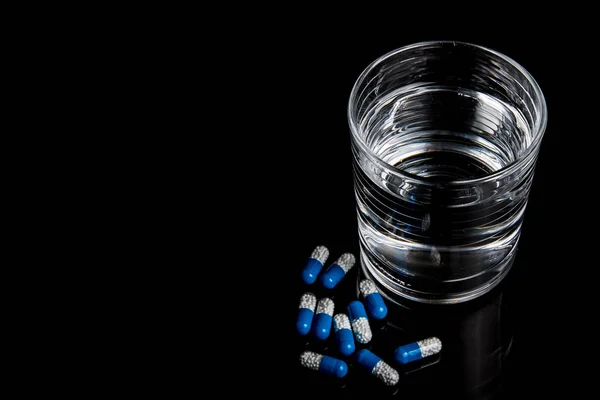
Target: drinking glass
x,y
445,137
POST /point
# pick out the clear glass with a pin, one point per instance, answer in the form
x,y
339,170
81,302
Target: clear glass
x,y
445,137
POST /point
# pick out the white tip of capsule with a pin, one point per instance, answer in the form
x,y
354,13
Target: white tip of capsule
x,y
341,321
362,330
308,300
311,360
325,306
367,287
346,261
430,346
386,374
320,253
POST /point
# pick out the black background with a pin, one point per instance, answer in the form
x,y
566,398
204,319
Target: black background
x,y
283,78
538,337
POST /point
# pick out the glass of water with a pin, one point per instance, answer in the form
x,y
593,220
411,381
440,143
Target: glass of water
x,y
445,137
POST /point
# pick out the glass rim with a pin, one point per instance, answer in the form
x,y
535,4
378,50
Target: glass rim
x,y
538,128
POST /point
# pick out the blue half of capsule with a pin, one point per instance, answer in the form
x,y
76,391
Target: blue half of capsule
x,y
322,326
304,320
311,270
367,359
333,366
345,341
408,353
376,306
356,310
332,276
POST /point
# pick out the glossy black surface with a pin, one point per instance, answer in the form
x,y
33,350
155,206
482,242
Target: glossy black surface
x,y
475,360
531,337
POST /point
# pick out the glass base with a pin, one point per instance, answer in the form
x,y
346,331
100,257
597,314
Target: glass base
x,y
395,288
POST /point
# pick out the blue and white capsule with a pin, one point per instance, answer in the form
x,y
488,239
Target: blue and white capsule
x,y
325,364
359,322
373,300
323,318
377,367
336,271
314,265
343,334
417,350
306,312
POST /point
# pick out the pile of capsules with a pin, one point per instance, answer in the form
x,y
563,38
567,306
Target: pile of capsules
x,y
316,317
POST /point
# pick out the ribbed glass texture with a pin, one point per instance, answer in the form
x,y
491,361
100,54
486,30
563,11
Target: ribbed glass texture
x,y
445,136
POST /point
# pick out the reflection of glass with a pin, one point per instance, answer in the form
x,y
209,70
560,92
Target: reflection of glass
x,y
476,336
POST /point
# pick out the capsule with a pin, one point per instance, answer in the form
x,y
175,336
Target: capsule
x,y
336,271
323,318
417,350
377,367
314,264
359,322
306,312
343,334
325,364
374,303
